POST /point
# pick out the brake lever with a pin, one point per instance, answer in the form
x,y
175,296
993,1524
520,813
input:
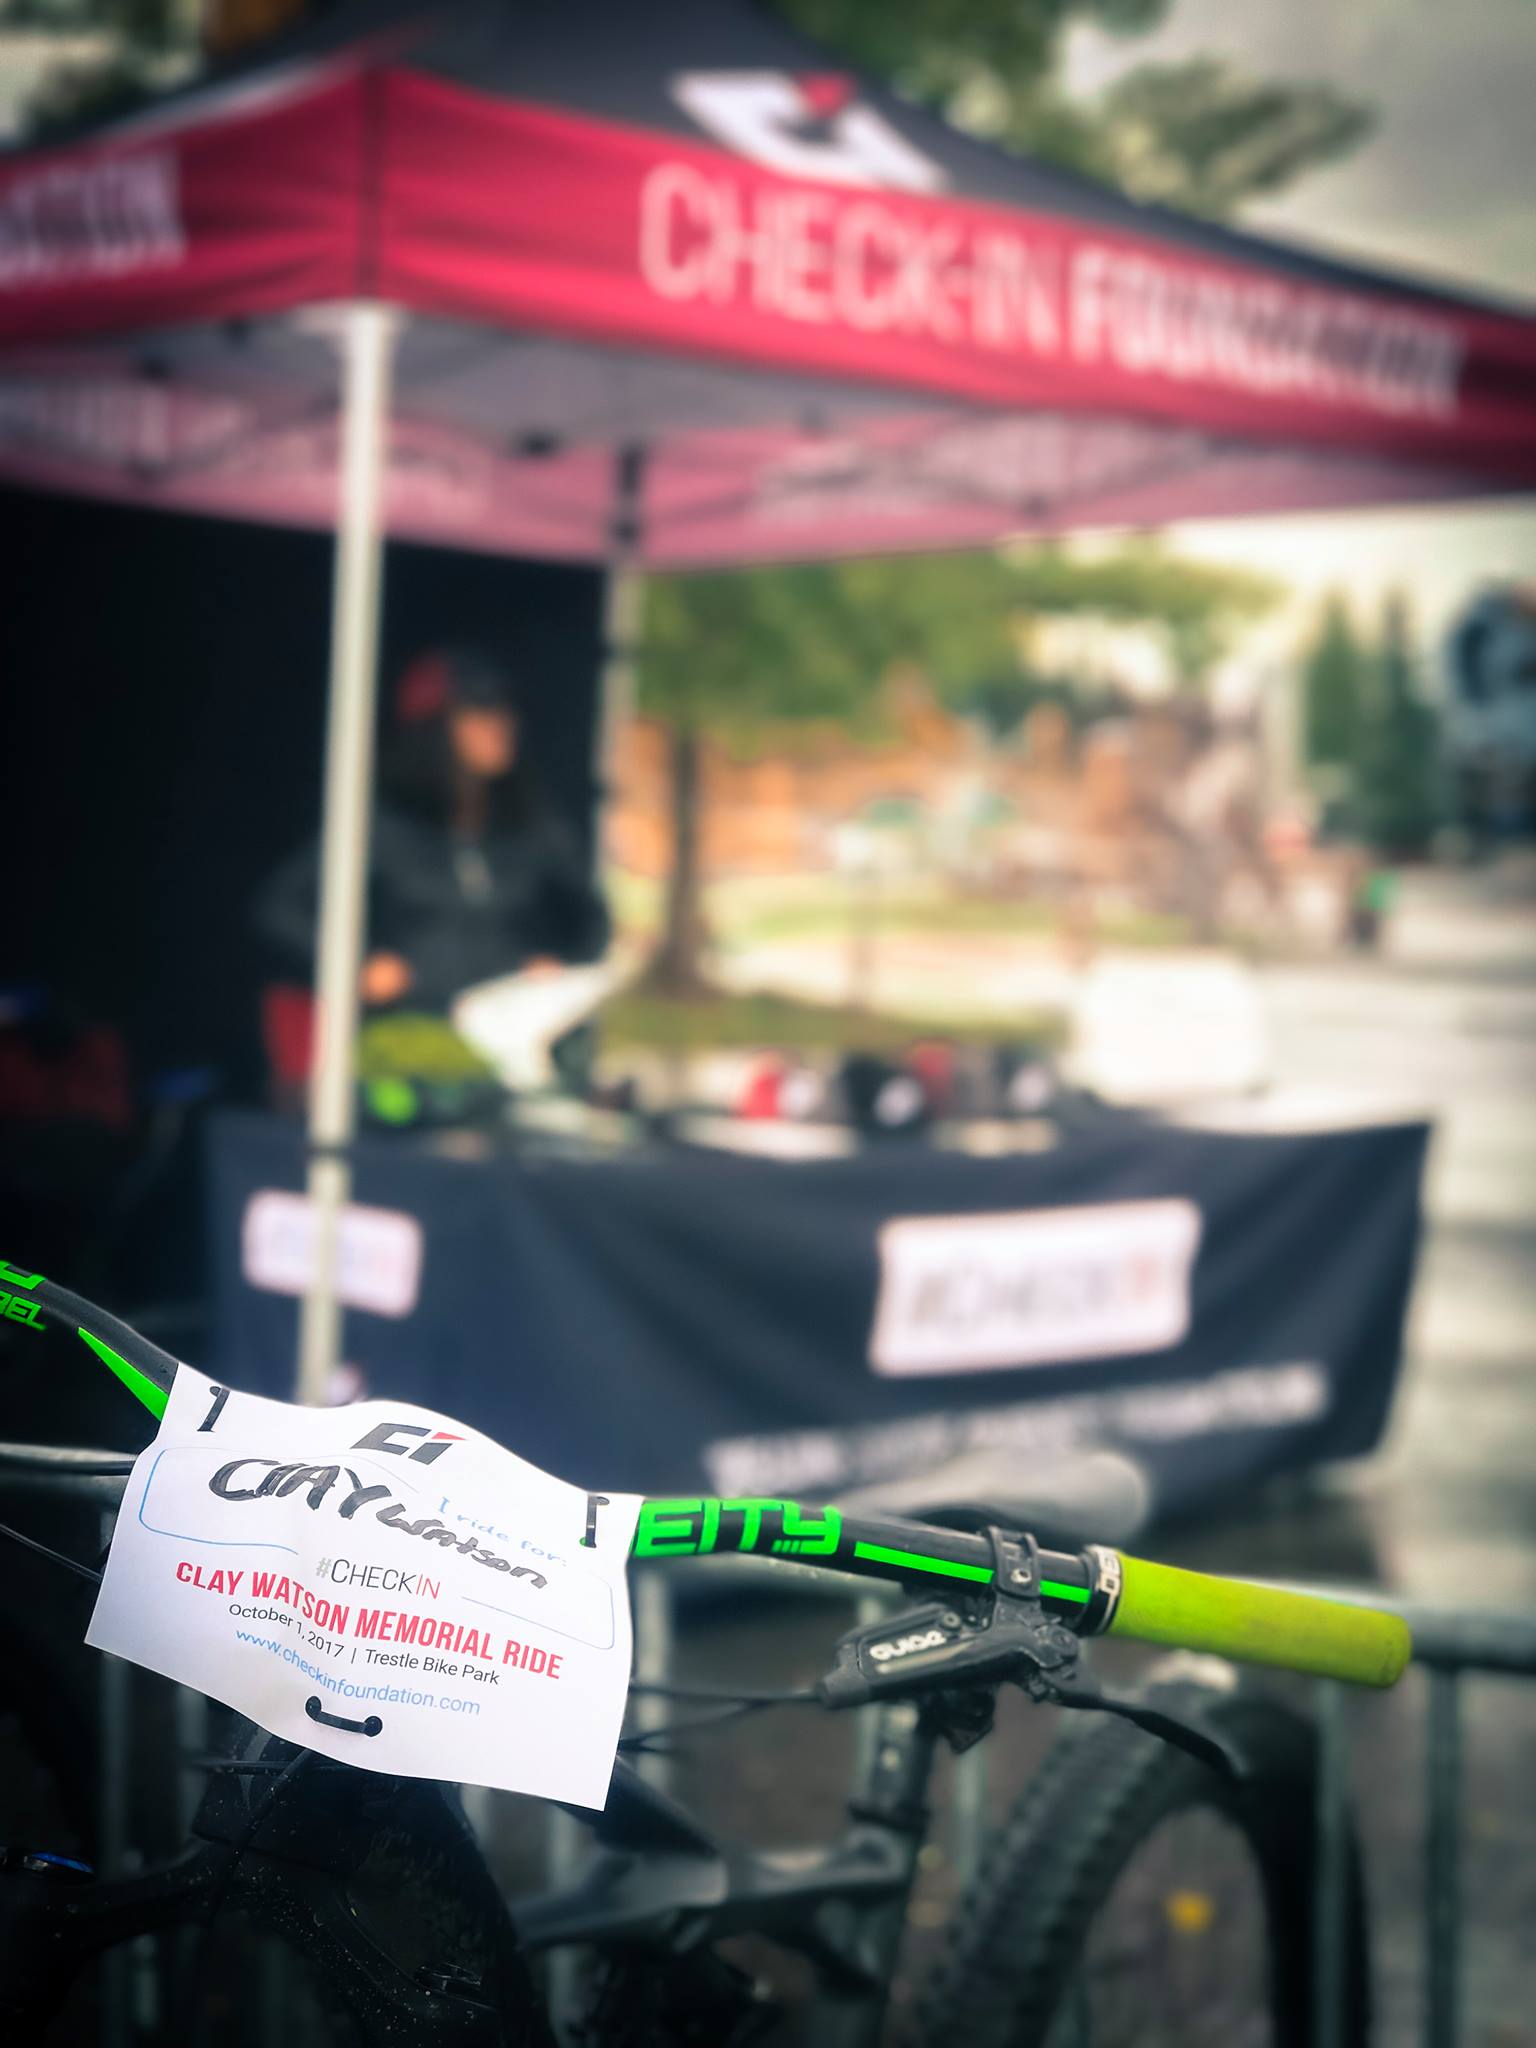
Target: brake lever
x,y
1174,1729
951,1656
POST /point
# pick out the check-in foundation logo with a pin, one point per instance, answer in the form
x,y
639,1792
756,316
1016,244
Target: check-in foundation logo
x,y
1033,1286
807,125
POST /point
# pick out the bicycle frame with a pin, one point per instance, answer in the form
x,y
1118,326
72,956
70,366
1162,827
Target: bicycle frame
x,y
660,1879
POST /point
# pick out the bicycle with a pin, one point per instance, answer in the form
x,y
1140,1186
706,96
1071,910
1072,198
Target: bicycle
x,y
378,1885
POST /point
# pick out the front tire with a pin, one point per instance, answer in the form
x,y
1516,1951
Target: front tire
x,y
1135,1899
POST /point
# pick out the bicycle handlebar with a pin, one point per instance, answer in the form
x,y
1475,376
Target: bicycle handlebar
x,y
1096,1591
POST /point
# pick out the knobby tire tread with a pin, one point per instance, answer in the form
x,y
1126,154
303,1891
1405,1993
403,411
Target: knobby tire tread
x,y
1055,1860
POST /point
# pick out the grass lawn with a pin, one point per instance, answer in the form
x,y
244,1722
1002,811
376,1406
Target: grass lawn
x,y
777,910
832,915
730,1023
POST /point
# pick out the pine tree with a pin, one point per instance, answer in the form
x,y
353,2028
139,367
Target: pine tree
x,y
1333,687
1397,764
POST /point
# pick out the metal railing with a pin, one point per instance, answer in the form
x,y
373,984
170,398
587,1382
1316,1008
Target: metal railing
x,y
1448,1647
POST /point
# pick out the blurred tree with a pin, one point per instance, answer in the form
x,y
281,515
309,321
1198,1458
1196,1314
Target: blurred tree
x,y
147,45
1001,699
1333,693
1197,606
1198,134
731,655
1201,136
1397,769
940,50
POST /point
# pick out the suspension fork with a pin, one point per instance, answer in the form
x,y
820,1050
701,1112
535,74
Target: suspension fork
x,y
889,1817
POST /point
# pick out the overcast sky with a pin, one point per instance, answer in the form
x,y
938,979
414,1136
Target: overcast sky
x,y
1445,186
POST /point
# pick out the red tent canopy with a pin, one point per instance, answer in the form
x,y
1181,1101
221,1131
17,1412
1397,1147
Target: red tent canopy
x,y
832,323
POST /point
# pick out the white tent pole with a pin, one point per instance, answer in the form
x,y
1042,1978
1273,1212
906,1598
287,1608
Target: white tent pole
x,y
622,618
366,352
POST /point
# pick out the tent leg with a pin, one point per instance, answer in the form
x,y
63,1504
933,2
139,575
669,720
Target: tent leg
x,y
366,348
622,616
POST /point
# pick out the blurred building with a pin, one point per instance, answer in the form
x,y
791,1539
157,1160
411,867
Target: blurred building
x,y
1158,805
779,808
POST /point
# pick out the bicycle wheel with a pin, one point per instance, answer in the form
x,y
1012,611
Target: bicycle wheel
x,y
1135,1899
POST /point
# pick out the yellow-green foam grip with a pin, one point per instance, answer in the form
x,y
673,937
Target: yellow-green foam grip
x,y
1260,1624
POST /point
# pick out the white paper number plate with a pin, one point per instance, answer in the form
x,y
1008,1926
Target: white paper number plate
x,y
381,1565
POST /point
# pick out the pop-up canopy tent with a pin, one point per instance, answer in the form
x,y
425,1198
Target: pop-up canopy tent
x,y
831,322
656,285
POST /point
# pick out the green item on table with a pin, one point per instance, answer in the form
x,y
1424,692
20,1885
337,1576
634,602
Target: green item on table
x,y
413,1045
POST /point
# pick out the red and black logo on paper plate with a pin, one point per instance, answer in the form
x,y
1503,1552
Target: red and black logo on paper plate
x,y
383,1437
807,125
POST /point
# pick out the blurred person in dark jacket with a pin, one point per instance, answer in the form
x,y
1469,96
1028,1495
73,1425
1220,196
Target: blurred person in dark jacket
x,y
481,905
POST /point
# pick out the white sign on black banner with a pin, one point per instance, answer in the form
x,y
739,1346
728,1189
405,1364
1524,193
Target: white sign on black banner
x,y
1033,1286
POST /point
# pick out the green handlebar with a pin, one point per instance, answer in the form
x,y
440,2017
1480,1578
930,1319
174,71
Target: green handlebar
x,y
1259,1624
1155,1602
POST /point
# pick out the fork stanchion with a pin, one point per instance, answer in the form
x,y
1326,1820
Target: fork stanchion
x,y
112,1839
565,1846
867,1610
1077,2014
565,1839
1332,1874
969,1815
274,2022
654,1646
479,1804
179,1948
142,1963
1442,1858
191,1711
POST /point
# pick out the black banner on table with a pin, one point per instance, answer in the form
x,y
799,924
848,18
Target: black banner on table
x,y
1223,1306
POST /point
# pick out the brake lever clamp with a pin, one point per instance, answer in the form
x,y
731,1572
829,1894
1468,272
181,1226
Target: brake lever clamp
x,y
944,1653
951,1656
1048,1651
